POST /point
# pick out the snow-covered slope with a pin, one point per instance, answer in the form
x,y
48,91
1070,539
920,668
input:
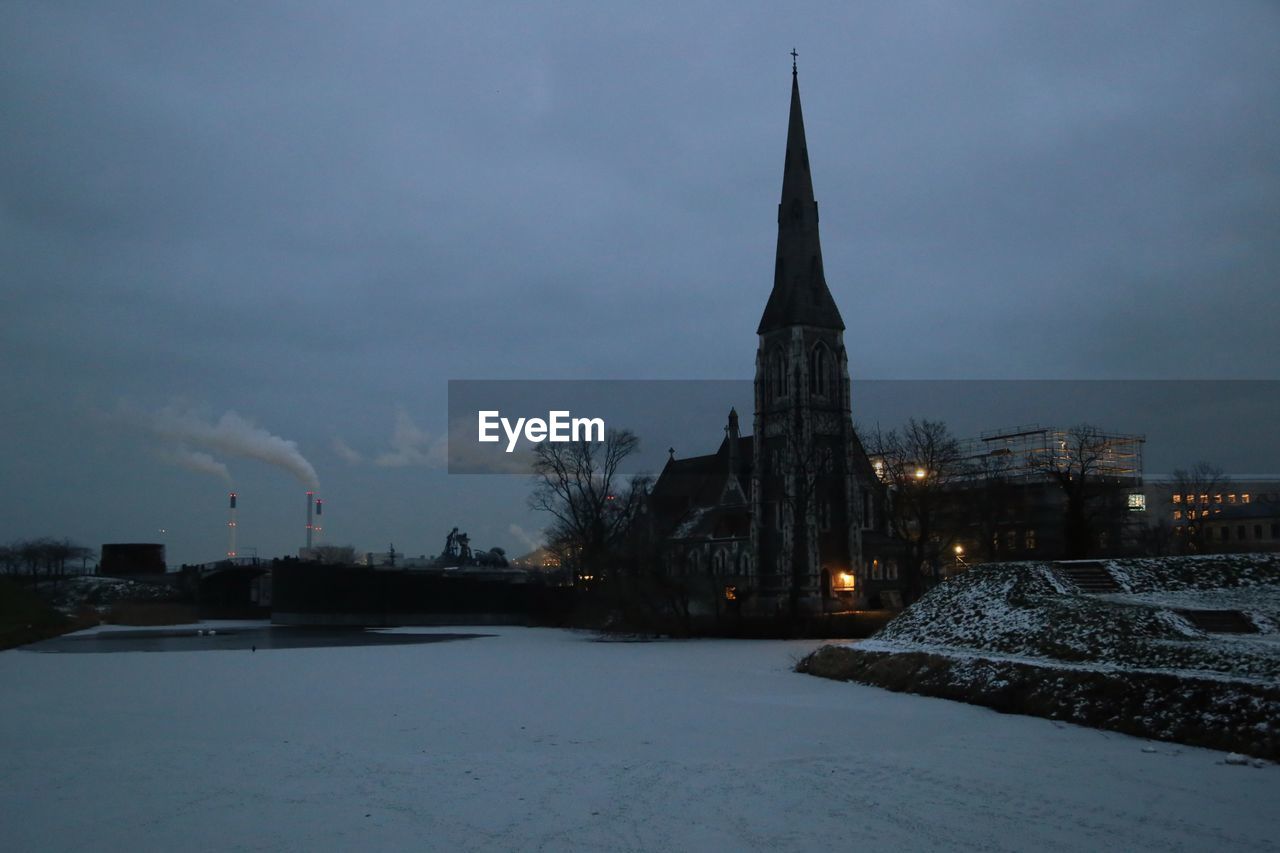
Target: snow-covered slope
x,y
1030,611
1024,638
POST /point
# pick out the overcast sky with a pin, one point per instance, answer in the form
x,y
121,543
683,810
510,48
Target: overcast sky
x,y
228,227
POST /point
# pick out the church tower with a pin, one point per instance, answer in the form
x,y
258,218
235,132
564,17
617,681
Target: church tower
x,y
806,496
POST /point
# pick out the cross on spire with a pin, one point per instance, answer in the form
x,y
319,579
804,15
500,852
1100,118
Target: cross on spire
x,y
793,60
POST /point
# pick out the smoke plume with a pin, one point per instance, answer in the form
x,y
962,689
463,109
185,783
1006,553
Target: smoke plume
x,y
412,445
348,453
233,435
523,535
195,460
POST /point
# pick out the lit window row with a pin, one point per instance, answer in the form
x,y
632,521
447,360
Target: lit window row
x,y
1217,498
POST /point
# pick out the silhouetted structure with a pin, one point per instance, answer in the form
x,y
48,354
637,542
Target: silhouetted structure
x,y
122,559
789,519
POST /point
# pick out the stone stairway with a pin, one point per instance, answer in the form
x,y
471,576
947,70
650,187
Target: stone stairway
x,y
1219,621
1088,576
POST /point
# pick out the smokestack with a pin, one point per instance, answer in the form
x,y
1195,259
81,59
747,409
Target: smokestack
x,y
310,508
318,527
231,526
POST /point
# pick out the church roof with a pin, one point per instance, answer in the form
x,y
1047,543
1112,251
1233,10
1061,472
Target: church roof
x,y
698,481
800,296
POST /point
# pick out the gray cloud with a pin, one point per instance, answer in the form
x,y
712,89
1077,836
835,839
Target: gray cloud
x,y
310,213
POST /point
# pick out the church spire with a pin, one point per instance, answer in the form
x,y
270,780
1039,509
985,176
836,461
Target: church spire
x,y
800,296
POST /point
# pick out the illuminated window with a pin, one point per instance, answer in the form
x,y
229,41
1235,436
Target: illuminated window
x,y
1177,499
730,593
877,571
1031,539
1244,498
1217,499
1204,499
1137,503
1177,515
842,582
1231,499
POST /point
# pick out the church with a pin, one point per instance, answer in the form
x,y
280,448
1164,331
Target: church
x,y
790,518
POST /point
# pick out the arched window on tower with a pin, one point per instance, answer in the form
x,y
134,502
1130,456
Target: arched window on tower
x,y
778,375
819,371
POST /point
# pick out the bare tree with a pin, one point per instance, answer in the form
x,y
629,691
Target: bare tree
x,y
921,465
1080,461
11,558
592,503
989,497
1202,482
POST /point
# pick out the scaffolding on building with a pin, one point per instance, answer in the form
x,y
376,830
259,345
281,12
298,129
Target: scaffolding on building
x,y
1031,451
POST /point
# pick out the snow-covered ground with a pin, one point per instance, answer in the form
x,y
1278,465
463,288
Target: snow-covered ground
x,y
545,740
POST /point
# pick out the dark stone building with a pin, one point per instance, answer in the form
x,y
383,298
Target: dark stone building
x,y
792,516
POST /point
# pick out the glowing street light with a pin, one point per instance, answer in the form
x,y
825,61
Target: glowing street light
x,y
920,473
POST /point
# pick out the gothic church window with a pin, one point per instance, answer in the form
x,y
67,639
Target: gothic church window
x,y
819,364
778,375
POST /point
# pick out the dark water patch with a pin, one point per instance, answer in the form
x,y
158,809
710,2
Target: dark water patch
x,y
266,638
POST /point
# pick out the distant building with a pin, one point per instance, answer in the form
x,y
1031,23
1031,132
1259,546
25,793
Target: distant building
x,y
1010,506
1242,514
122,559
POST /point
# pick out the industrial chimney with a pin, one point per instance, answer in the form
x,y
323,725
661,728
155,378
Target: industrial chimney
x,y
231,526
310,508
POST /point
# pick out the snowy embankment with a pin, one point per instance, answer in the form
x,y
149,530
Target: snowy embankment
x,y
539,739
1021,637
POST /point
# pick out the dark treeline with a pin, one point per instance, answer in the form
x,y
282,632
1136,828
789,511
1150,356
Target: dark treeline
x,y
44,558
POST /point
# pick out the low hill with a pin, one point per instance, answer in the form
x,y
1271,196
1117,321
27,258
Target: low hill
x,y
1182,648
